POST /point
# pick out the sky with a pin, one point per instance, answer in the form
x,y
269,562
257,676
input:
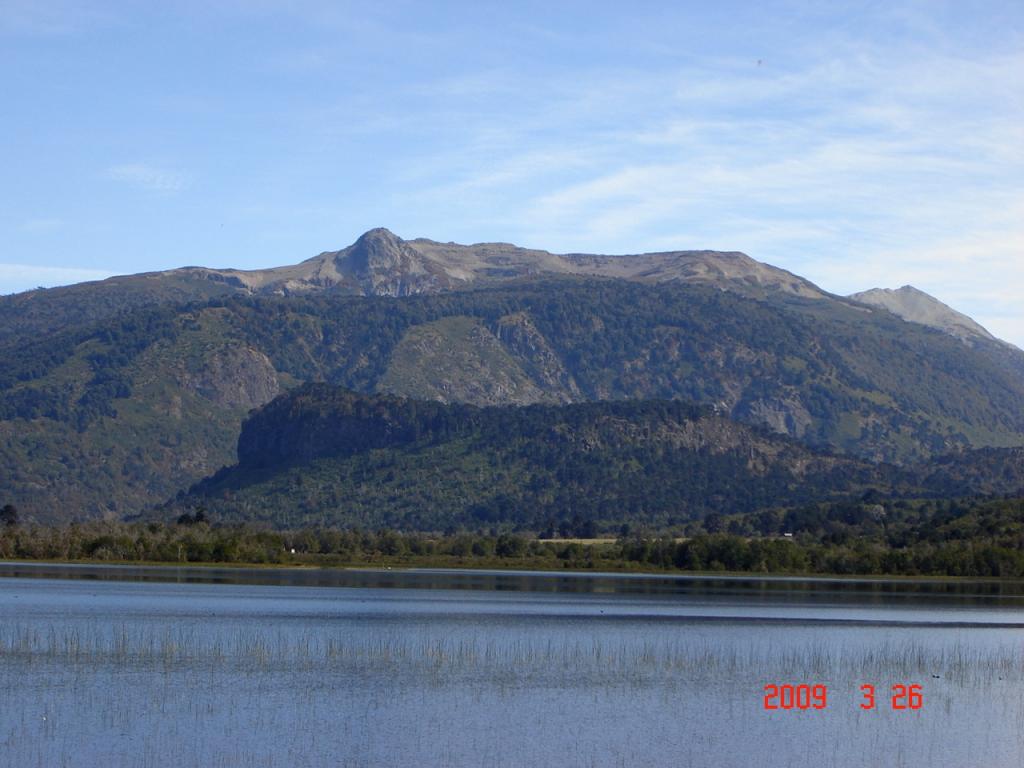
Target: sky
x,y
858,144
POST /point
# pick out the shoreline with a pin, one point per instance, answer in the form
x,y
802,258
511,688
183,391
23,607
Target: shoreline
x,y
198,569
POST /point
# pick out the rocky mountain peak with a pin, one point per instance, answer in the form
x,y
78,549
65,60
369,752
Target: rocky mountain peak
x,y
377,243
377,249
381,263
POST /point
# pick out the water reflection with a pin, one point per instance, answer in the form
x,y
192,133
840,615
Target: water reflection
x,y
880,591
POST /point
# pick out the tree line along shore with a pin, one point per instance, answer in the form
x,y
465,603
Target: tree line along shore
x,y
968,538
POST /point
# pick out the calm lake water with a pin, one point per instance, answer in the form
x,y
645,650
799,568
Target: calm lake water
x,y
220,667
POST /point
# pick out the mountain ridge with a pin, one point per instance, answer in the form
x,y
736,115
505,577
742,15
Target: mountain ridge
x,y
380,263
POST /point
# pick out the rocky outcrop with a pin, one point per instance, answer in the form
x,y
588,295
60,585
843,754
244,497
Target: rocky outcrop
x,y
381,264
522,339
235,377
783,415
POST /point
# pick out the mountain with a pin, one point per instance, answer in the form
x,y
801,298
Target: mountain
x,y
117,395
918,307
380,263
327,456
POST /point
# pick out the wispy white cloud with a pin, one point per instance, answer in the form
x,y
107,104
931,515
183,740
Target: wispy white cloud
x,y
24,277
149,177
852,162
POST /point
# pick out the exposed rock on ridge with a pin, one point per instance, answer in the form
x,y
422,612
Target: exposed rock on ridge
x,y
916,306
381,263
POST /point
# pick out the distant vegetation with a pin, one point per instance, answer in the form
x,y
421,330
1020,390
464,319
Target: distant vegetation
x,y
935,538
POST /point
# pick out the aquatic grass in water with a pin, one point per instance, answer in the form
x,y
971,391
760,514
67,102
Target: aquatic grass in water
x,y
151,675
482,654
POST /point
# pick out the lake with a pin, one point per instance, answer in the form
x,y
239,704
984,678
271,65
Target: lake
x,y
119,666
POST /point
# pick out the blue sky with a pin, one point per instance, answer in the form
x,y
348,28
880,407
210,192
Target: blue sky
x,y
859,144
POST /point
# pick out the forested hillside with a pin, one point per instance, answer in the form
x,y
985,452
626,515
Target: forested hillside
x,y
322,455
112,417
327,456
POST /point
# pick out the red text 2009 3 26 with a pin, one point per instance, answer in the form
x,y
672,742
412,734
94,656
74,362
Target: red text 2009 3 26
x,y
790,696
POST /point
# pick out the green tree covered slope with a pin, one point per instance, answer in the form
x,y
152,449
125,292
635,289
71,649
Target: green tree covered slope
x,y
111,417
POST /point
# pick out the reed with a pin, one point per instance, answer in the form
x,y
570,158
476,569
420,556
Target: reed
x,y
253,650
